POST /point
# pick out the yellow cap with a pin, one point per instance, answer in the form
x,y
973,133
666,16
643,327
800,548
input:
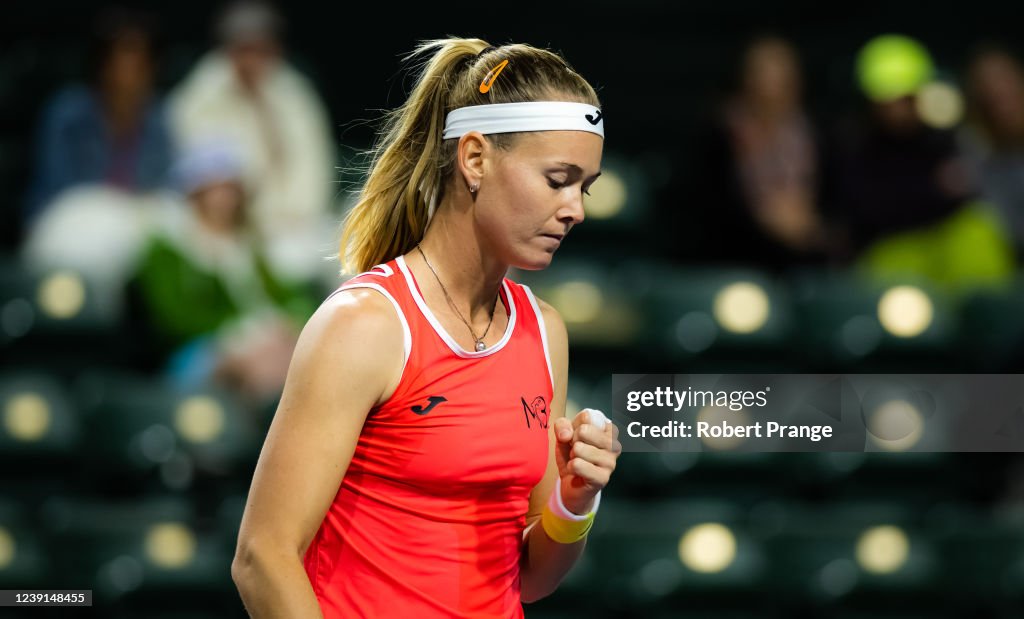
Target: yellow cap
x,y
891,66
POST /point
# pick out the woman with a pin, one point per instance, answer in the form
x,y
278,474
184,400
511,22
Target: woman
x,y
218,312
248,90
994,136
113,130
758,168
421,433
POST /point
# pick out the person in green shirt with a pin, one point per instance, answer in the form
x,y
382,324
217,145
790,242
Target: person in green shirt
x,y
219,312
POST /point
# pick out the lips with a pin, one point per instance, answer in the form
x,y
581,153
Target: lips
x,y
557,237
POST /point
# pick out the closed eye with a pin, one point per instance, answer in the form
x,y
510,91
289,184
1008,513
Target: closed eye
x,y
557,185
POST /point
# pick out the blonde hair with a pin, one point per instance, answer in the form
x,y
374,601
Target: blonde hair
x,y
410,162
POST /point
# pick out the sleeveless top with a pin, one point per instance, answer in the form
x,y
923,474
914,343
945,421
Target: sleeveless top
x,y
429,517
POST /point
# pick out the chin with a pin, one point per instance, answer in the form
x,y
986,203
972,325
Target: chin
x,y
534,261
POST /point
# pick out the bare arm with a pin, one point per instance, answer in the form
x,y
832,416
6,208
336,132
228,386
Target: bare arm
x,y
347,359
582,456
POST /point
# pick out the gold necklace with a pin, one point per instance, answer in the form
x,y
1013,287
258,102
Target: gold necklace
x,y
480,346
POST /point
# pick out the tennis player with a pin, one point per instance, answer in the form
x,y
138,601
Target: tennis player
x,y
420,463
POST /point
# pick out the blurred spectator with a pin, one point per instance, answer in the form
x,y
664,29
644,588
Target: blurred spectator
x,y
211,298
994,137
758,170
247,92
96,230
111,130
904,188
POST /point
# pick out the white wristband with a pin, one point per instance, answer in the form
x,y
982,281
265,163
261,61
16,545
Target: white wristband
x,y
559,509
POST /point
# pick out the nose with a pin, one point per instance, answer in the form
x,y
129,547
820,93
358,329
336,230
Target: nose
x,y
572,213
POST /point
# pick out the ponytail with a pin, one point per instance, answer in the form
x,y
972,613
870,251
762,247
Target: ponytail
x,y
390,216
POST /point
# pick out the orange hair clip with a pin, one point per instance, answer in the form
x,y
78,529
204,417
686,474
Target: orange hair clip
x,y
491,76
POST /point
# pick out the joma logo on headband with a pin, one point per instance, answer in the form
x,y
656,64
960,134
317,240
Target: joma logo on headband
x,y
593,118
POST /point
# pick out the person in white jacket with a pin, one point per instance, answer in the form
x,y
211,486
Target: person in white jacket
x,y
246,92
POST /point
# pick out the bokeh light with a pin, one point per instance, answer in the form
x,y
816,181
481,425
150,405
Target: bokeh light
x,y
741,307
882,549
608,196
61,295
27,416
708,548
940,105
905,311
170,545
696,331
715,416
577,301
896,425
199,419
7,548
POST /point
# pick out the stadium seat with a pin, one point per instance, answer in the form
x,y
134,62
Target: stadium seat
x,y
55,319
138,425
24,562
145,549
741,316
846,321
37,424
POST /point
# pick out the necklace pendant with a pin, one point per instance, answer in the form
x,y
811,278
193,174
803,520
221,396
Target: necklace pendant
x,y
480,346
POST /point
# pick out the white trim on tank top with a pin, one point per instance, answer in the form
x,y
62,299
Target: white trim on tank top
x,y
448,339
406,333
385,272
543,334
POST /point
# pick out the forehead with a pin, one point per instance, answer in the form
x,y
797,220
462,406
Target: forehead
x,y
996,63
576,147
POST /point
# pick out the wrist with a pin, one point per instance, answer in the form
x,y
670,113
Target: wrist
x,y
562,525
575,505
573,509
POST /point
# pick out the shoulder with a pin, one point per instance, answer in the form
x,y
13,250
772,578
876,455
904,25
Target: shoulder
x,y
291,80
208,78
213,67
549,313
357,311
71,103
554,325
354,339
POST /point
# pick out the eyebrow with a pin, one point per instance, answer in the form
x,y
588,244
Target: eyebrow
x,y
575,168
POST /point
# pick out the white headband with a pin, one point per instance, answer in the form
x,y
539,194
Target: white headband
x,y
529,116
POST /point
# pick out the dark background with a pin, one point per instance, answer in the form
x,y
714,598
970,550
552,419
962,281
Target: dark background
x,y
658,68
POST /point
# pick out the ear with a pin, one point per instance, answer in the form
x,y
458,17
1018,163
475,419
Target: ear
x,y
474,149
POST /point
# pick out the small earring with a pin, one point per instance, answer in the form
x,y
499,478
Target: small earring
x,y
473,188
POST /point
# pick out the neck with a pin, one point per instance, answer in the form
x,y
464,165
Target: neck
x,y
765,112
123,111
469,271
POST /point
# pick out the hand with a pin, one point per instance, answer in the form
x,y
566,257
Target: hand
x,y
255,363
586,457
790,217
